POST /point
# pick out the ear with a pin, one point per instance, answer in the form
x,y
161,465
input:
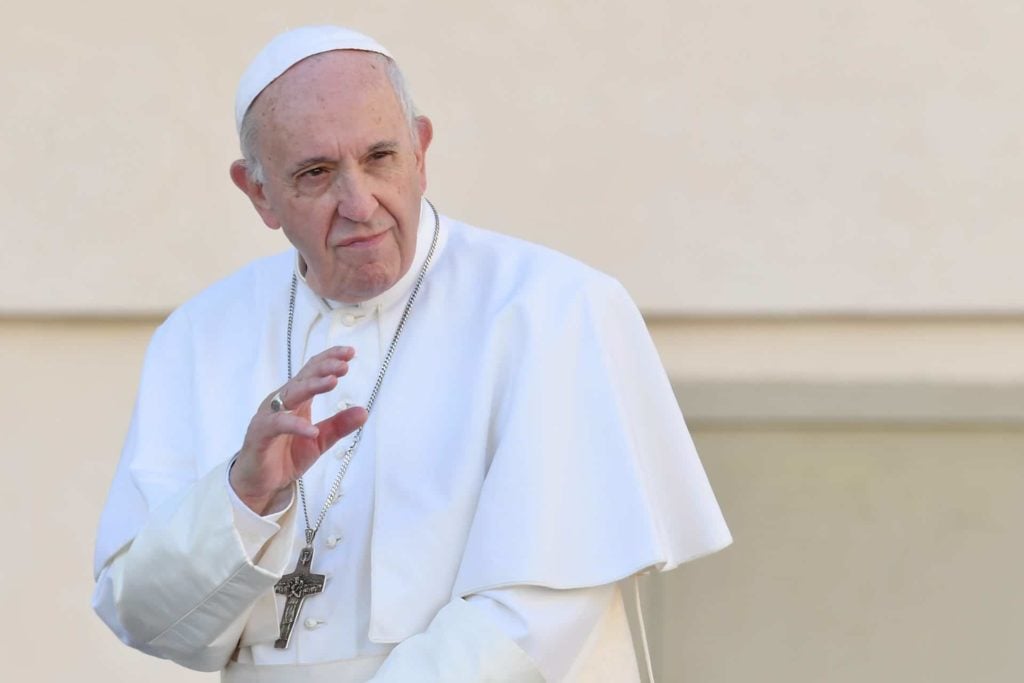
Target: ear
x,y
254,191
424,134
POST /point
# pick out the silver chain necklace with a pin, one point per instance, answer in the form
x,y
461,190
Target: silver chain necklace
x,y
301,582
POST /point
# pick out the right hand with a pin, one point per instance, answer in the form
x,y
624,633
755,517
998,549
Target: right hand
x,y
280,446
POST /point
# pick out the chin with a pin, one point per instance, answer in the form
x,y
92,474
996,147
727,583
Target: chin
x,y
366,285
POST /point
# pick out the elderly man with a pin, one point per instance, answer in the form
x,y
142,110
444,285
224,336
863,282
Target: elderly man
x,y
465,444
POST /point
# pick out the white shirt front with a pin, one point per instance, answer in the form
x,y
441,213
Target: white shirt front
x,y
335,624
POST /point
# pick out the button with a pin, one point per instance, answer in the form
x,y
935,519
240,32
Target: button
x,y
345,404
348,319
333,541
312,623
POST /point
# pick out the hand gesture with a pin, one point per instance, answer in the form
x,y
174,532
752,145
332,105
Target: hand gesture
x,y
281,445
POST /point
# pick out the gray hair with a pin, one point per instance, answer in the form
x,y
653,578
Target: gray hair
x,y
247,131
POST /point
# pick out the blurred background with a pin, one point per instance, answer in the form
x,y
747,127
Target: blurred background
x,y
817,206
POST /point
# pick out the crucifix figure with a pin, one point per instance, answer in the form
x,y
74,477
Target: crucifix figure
x,y
297,585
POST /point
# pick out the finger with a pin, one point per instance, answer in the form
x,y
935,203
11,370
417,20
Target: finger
x,y
330,357
340,352
340,425
274,425
324,367
300,390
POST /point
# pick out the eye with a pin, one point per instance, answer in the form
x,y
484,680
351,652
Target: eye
x,y
313,172
382,154
313,180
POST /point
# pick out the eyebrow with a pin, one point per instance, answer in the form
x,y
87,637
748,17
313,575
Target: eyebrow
x,y
382,146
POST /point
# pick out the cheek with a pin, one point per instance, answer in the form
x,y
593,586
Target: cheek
x,y
310,220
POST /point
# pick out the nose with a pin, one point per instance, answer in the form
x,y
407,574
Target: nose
x,y
356,201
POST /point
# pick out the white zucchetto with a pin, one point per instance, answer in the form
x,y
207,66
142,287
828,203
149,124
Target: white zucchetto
x,y
290,48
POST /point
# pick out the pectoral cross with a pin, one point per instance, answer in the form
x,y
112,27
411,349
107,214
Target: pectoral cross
x,y
297,585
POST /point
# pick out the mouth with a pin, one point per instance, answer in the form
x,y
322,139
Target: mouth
x,y
363,241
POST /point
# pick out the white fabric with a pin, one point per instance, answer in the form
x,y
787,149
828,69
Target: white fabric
x,y
253,530
359,670
606,656
184,589
552,626
459,645
526,435
288,49
204,599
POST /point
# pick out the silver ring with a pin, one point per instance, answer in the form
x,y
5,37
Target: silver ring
x,y
277,403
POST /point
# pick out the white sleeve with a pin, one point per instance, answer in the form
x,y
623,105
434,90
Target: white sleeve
x,y
520,634
187,586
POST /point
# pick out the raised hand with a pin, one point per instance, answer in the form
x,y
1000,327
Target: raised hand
x,y
281,445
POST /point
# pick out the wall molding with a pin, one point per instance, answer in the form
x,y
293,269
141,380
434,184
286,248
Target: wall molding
x,y
710,404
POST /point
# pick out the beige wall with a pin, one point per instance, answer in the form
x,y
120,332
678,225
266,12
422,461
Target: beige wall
x,y
816,204
718,157
863,553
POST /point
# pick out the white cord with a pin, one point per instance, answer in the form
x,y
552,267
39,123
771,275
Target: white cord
x,y
643,629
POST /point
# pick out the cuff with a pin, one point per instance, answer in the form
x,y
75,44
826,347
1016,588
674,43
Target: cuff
x,y
253,530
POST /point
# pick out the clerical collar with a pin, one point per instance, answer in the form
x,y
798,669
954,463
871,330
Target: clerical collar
x,y
398,291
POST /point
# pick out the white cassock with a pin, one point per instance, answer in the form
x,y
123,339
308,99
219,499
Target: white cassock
x,y
525,454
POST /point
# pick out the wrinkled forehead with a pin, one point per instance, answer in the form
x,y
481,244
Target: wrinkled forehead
x,y
346,77
338,100
288,50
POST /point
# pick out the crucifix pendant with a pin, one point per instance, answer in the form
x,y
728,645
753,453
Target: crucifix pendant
x,y
296,586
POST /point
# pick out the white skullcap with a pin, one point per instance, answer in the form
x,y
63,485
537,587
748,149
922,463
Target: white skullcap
x,y
289,49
